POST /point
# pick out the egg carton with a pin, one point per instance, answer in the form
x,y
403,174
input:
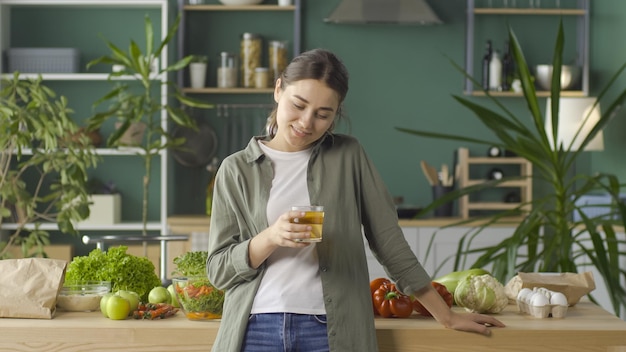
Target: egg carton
x,y
542,303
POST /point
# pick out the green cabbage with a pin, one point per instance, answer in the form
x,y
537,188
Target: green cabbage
x,y
125,271
481,294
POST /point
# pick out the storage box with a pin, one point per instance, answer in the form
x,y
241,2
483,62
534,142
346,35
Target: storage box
x,y
106,209
43,60
593,205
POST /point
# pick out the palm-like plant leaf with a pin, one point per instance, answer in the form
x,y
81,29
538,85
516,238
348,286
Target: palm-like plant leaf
x,y
144,106
547,238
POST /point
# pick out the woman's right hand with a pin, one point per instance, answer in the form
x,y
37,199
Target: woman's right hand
x,y
285,233
282,233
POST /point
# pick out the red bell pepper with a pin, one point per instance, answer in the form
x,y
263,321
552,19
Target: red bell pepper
x,y
391,303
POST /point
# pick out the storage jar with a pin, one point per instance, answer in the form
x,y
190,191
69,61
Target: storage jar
x,y
277,58
227,71
250,58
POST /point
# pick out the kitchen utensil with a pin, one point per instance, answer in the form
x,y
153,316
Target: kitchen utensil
x,y
430,173
444,176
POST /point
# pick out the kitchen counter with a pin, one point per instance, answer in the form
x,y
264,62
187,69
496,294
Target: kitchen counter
x,y
586,328
185,224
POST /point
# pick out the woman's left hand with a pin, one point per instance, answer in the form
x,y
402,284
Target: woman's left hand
x,y
470,322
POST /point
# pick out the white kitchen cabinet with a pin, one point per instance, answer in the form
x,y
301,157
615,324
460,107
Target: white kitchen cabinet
x,y
91,83
439,259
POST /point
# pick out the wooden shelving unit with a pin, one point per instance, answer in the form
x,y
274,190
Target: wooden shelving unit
x,y
183,39
525,184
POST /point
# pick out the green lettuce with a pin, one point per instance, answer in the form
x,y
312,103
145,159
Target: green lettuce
x,y
125,271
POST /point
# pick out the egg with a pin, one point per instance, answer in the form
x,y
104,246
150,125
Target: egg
x,y
545,292
539,300
558,299
523,293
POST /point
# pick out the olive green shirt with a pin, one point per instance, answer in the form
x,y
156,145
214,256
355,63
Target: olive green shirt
x,y
344,180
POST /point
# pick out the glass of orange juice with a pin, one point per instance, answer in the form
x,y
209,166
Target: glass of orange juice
x,y
314,216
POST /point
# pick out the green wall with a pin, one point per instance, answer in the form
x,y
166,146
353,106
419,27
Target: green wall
x,y
401,76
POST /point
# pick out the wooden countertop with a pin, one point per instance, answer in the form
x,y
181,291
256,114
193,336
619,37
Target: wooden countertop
x,y
186,224
586,328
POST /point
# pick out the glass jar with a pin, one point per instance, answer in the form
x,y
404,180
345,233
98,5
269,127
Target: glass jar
x,y
227,71
277,58
250,56
261,77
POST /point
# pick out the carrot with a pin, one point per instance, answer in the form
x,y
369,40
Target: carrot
x,y
154,311
192,291
205,290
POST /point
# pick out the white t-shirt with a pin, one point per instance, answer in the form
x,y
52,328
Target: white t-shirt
x,y
291,283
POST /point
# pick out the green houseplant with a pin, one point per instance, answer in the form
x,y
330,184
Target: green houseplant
x,y
547,239
197,70
140,103
44,157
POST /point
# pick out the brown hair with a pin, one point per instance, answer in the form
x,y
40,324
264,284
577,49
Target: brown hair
x,y
318,64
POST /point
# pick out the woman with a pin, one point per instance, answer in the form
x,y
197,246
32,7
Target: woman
x,y
284,294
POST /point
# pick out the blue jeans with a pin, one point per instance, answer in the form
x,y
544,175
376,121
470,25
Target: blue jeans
x,y
285,332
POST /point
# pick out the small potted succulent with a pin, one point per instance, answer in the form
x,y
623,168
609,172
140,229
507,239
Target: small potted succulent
x,y
198,70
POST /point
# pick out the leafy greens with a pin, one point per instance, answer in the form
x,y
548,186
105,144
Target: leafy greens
x,y
191,263
125,271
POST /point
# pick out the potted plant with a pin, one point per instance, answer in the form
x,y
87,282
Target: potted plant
x,y
44,157
197,70
548,239
141,102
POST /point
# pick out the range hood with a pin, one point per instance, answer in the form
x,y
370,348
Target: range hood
x,y
412,12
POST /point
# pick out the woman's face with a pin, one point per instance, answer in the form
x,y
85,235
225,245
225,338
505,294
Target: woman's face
x,y
306,110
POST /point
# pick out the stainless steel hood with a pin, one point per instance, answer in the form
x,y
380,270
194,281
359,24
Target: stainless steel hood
x,y
412,12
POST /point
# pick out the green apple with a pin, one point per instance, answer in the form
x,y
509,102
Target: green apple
x,y
174,300
103,303
132,297
159,294
118,307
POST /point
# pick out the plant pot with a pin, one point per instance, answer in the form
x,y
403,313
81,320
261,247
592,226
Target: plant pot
x,y
105,209
197,74
134,135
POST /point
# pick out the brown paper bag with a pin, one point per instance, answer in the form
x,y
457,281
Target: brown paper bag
x,y
29,287
572,285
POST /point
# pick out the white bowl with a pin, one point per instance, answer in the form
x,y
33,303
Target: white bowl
x,y
241,2
82,297
570,76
